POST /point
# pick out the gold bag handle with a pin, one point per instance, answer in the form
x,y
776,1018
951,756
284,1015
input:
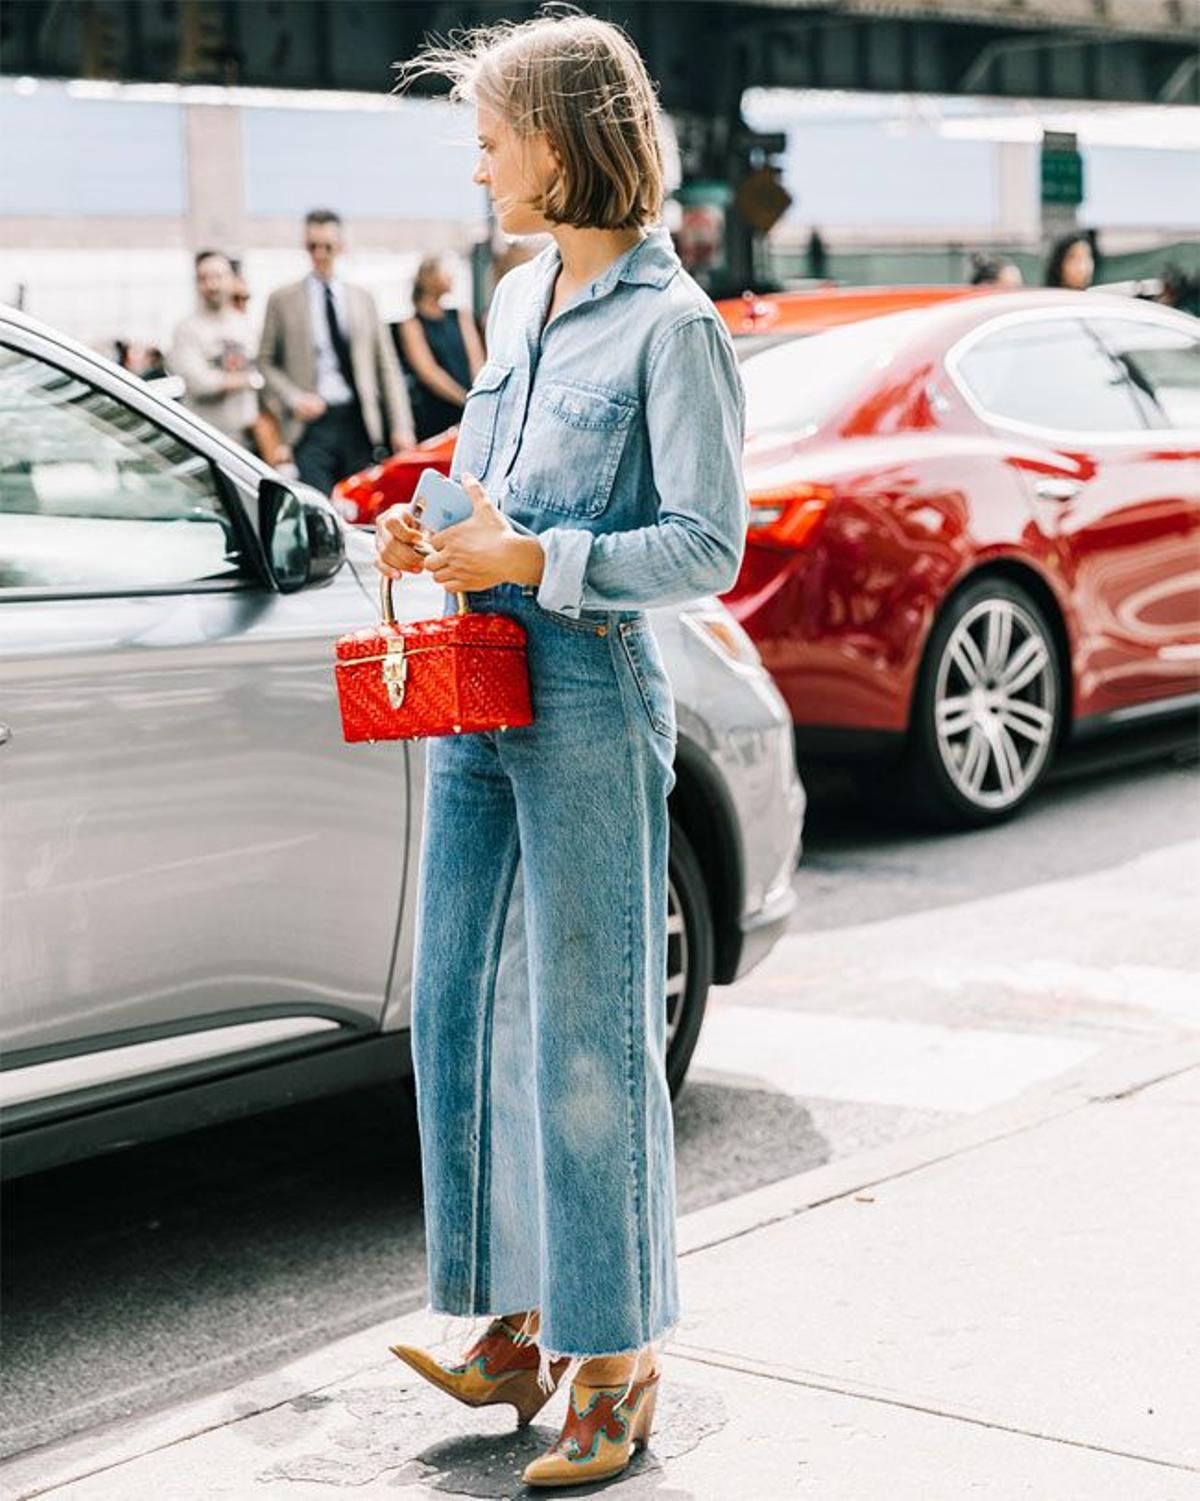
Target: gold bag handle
x,y
387,611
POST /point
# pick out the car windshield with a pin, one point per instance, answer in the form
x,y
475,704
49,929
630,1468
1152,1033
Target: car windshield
x,y
794,383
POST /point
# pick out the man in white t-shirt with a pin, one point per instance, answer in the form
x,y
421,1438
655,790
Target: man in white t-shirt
x,y
212,351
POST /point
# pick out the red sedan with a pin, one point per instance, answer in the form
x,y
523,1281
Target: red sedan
x,y
976,533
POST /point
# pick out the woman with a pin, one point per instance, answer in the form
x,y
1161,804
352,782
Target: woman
x,y
1071,264
601,448
441,348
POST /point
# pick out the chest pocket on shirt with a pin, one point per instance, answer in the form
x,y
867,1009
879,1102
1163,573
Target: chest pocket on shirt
x,y
477,430
572,444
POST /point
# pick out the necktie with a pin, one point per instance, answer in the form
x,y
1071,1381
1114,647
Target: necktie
x,y
338,339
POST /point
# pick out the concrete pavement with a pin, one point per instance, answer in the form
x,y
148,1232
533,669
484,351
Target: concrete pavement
x,y
1004,1307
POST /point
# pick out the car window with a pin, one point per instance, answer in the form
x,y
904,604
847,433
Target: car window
x,y
1162,362
796,385
1052,373
94,495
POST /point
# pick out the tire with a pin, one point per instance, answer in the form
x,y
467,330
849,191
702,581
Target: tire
x,y
987,712
689,955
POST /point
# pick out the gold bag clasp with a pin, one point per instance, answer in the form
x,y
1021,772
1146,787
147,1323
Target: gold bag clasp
x,y
395,671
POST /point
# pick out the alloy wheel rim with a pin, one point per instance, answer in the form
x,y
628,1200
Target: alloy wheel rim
x,y
677,961
995,703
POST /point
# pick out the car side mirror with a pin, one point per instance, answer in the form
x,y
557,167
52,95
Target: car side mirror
x,y
283,527
326,539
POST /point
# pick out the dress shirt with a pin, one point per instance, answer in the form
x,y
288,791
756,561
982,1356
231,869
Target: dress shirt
x,y
331,383
614,435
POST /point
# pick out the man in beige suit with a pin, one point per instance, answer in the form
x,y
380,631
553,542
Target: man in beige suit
x,y
330,369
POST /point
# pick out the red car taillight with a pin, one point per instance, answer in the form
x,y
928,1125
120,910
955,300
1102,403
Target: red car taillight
x,y
789,515
346,507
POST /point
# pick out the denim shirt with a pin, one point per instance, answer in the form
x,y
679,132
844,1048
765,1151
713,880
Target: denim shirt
x,y
614,435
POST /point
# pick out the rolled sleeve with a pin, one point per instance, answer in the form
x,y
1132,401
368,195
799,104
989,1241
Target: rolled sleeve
x,y
567,553
695,419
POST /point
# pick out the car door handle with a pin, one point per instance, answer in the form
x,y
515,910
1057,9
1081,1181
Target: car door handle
x,y
1058,489
5,734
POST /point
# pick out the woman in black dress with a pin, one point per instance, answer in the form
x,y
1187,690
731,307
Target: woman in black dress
x,y
440,348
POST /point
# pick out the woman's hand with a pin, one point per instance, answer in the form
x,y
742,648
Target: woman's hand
x,y
396,552
483,550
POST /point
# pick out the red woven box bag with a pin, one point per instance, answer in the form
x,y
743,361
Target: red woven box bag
x,y
462,673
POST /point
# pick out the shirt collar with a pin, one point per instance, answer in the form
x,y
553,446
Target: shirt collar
x,y
651,262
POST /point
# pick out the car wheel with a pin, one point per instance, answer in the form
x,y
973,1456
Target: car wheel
x,y
689,955
987,711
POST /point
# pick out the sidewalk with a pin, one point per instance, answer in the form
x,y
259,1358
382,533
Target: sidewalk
x,y
1009,1307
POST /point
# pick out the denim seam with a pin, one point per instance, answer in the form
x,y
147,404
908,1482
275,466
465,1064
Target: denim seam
x,y
636,1159
639,1197
481,1237
693,315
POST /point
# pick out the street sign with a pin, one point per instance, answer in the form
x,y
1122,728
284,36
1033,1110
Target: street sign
x,y
1062,168
762,199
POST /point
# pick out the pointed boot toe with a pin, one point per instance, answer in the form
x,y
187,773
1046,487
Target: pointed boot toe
x,y
425,1365
498,1368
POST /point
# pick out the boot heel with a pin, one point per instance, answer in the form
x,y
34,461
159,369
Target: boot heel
x,y
645,1419
527,1397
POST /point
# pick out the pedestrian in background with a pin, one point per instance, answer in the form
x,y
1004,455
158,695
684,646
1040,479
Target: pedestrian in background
x,y
143,360
441,348
988,270
601,449
1071,264
1179,290
212,352
266,434
330,368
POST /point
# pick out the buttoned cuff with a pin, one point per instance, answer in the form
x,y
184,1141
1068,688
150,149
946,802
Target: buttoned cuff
x,y
567,552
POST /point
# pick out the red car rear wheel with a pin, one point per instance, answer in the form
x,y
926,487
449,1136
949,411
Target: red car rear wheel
x,y
988,708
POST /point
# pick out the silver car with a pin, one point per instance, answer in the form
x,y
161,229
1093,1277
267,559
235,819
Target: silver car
x,y
206,895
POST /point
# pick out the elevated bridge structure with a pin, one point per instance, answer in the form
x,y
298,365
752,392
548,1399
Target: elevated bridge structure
x,y
704,53
1145,51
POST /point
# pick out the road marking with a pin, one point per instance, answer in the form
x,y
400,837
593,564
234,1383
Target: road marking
x,y
877,1062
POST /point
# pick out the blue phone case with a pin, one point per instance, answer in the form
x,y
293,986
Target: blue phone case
x,y
438,502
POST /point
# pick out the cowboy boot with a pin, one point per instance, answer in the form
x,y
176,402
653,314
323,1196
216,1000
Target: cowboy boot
x,y
501,1366
603,1429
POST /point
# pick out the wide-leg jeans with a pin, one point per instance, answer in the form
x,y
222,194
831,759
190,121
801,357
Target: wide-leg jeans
x,y
539,999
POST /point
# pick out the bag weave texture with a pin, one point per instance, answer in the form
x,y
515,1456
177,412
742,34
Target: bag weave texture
x,y
460,674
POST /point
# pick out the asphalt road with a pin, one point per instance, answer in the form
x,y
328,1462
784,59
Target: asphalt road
x,y
923,977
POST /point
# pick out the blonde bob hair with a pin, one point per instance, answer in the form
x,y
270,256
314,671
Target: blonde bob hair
x,y
581,83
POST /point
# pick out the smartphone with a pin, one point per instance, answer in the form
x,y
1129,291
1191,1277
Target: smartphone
x,y
438,502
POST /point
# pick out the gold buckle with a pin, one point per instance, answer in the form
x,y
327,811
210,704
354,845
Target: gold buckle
x,y
395,671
